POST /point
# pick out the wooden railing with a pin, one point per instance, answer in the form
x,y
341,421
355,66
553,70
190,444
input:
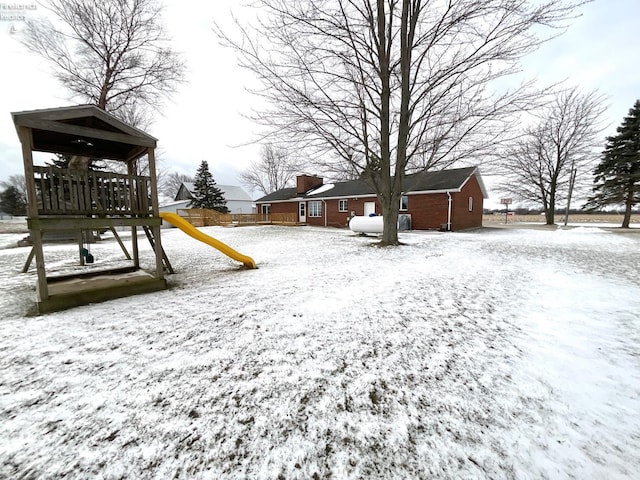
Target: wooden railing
x,y
62,191
202,217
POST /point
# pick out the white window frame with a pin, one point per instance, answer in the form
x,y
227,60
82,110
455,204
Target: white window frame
x,y
406,203
471,204
267,207
343,205
314,208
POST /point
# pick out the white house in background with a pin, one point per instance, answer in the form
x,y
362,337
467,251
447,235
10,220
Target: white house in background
x,y
238,201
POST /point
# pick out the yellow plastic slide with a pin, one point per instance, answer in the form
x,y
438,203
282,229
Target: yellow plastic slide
x,y
190,230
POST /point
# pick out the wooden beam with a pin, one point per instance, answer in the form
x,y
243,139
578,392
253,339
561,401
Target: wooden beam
x,y
24,134
70,300
77,112
87,132
155,209
131,170
32,210
27,263
66,223
42,289
117,237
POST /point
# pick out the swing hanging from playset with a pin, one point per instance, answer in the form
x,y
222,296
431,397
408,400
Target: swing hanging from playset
x,y
85,251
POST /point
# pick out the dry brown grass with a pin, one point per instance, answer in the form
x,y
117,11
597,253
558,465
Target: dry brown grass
x,y
576,218
14,225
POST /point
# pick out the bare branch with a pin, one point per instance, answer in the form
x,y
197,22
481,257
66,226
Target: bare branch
x,y
562,144
275,170
114,53
386,87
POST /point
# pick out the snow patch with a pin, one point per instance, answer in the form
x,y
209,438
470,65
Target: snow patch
x,y
323,188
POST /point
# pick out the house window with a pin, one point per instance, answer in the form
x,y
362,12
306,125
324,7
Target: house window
x,y
342,206
315,209
266,208
471,204
404,203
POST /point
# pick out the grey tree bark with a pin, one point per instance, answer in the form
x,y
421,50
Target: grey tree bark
x,y
388,87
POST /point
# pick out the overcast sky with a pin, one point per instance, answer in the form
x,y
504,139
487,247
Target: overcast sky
x,y
205,120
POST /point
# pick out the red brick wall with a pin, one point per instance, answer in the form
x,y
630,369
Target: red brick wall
x,y
340,219
304,183
428,211
281,208
461,217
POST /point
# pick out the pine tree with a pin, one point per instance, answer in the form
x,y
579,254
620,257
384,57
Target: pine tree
x,y
12,201
617,177
62,161
206,193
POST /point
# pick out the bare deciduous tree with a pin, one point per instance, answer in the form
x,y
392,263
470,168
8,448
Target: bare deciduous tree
x,y
172,181
385,87
113,53
557,152
274,171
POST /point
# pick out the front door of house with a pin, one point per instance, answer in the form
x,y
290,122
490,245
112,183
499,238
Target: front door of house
x,y
302,212
369,208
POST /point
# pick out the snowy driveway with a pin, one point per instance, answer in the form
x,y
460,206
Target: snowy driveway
x,y
494,354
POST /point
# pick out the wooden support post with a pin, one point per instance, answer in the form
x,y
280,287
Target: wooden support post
x,y
27,264
156,212
24,134
131,170
42,288
134,247
117,237
80,246
167,263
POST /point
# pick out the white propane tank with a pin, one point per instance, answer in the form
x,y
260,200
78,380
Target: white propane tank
x,y
366,224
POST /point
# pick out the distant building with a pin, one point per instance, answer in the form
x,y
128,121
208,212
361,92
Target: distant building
x,y
238,201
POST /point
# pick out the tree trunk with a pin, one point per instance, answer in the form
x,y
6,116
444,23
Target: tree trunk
x,y
390,222
386,181
550,212
628,207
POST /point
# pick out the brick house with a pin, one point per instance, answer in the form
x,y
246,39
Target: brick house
x,y
447,199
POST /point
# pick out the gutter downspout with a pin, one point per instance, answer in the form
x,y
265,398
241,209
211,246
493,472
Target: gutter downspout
x,y
325,212
449,212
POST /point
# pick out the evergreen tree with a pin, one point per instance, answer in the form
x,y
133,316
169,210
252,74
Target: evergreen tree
x,y
617,177
206,193
12,201
62,161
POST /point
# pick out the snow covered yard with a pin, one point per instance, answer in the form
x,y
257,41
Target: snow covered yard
x,y
492,354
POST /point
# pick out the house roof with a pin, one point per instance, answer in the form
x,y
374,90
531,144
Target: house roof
x,y
84,130
175,203
232,193
425,182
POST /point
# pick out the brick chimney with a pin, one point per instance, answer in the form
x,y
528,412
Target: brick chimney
x,y
306,183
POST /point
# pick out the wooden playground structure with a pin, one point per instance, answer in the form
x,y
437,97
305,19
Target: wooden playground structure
x,y
77,199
